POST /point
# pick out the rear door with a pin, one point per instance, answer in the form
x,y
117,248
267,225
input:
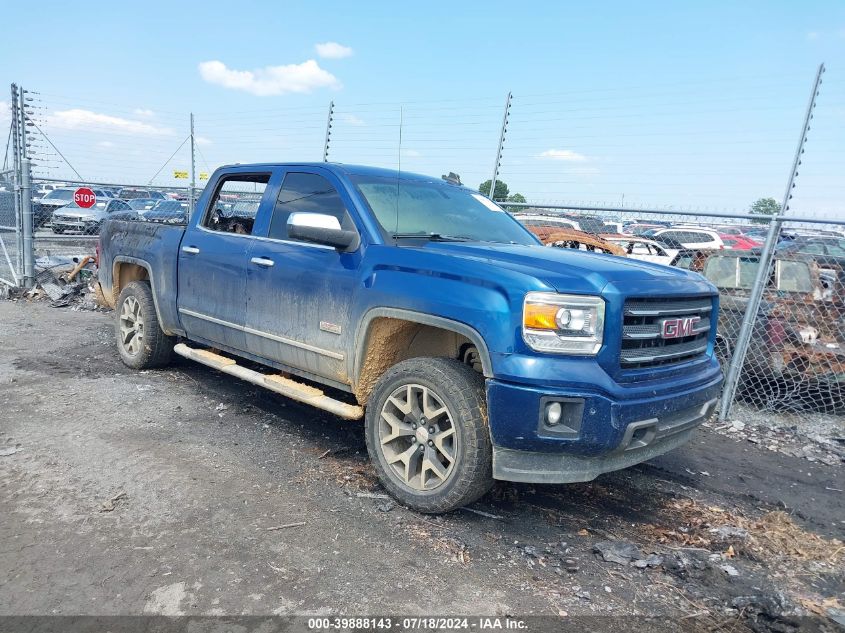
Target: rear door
x,y
300,294
213,259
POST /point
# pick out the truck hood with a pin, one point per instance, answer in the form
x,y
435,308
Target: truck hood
x,y
565,269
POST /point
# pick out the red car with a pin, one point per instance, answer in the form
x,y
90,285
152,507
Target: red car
x,y
739,242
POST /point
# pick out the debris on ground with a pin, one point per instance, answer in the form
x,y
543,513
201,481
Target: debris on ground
x,y
285,526
11,450
814,437
111,504
64,280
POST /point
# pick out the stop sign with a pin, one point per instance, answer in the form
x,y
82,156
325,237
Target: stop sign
x,y
84,197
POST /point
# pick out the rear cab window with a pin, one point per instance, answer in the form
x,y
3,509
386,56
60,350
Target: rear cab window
x,y
235,203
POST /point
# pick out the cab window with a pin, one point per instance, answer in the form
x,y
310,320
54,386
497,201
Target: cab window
x,y
235,203
306,193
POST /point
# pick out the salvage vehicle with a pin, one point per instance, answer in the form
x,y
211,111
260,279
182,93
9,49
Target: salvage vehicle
x,y
797,347
571,238
471,352
642,248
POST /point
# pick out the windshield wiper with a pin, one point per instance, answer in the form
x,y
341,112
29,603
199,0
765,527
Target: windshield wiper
x,y
434,237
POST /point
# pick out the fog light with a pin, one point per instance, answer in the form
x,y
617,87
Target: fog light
x,y
553,413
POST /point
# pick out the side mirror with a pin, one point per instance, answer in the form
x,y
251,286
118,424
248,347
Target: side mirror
x,y
320,228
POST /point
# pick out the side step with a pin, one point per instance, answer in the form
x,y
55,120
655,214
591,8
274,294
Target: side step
x,y
280,384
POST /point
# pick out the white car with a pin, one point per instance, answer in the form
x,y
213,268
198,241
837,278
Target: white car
x,y
546,220
691,237
644,249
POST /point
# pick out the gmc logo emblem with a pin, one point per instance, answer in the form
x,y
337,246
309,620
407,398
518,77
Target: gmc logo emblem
x,y
677,328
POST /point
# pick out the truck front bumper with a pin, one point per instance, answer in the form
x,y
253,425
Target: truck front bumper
x,y
598,433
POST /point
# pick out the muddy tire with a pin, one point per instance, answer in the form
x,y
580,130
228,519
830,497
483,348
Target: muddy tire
x,y
427,434
140,340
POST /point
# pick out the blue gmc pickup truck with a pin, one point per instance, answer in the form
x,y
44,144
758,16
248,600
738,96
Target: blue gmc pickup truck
x,y
471,352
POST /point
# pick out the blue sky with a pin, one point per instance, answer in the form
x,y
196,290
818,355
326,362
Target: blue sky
x,y
680,104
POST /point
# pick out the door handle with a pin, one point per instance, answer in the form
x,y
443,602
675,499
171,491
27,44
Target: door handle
x,y
262,261
191,250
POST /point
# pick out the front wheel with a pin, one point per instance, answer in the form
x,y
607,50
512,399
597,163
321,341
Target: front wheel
x,y
427,434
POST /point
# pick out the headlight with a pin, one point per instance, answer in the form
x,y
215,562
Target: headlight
x,y
563,324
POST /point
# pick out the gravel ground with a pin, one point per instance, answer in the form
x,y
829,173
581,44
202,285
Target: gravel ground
x,y
183,491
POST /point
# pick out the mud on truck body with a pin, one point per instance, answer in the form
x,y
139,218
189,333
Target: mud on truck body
x,y
471,351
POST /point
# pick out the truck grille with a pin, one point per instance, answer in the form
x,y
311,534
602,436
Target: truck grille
x,y
647,342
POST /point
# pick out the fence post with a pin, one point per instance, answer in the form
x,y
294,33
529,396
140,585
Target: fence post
x,y
26,209
764,270
16,155
328,133
498,162
191,194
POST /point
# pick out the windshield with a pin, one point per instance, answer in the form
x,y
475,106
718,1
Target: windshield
x,y
60,194
740,273
142,203
416,207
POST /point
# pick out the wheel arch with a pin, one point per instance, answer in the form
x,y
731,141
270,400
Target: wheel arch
x,y
127,269
386,323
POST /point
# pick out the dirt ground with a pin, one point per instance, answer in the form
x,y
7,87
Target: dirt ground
x,y
183,491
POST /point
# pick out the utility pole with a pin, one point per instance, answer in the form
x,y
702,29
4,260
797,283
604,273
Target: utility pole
x,y
766,257
193,171
328,133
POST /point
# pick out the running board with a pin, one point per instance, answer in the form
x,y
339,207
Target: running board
x,y
280,384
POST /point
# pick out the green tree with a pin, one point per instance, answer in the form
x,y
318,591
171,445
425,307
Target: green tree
x,y
764,206
501,192
514,197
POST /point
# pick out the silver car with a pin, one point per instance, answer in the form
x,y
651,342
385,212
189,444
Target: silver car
x,y
87,221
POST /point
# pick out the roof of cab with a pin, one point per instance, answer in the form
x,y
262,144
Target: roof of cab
x,y
345,170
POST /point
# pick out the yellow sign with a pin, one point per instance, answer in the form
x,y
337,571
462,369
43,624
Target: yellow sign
x,y
180,174
203,175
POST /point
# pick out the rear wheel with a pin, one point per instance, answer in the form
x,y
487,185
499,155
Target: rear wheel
x,y
141,342
427,436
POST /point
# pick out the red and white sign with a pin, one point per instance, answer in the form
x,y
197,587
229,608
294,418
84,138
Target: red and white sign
x,y
677,328
84,197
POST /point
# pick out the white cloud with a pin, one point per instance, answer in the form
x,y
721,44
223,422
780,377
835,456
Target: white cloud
x,y
5,111
333,50
411,153
562,154
202,140
144,112
78,119
270,80
813,35
351,119
105,144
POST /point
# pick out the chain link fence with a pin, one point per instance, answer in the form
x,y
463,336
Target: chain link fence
x,y
582,166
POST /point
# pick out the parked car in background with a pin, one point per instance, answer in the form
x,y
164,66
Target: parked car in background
x,y
738,242
130,193
74,219
690,236
142,204
540,220
558,237
643,249
641,228
167,211
797,347
44,208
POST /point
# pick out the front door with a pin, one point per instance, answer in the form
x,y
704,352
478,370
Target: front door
x,y
213,259
299,294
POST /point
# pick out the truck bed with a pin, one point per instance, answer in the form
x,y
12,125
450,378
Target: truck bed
x,y
153,244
